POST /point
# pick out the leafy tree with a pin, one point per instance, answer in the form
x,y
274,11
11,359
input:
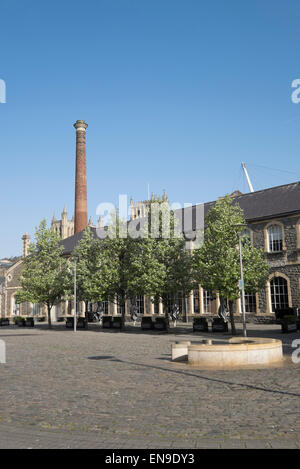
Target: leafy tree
x,y
93,269
217,263
45,275
148,261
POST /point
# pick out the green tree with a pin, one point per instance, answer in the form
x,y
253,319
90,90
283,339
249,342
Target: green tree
x,y
45,275
161,263
93,270
149,260
217,263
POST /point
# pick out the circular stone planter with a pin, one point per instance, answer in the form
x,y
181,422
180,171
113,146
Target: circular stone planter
x,y
180,351
238,352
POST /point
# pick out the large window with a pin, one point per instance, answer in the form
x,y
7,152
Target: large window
x,y
250,302
279,293
275,238
207,301
175,298
104,305
140,304
35,309
196,302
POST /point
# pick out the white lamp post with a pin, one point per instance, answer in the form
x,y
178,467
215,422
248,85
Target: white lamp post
x,y
242,284
75,299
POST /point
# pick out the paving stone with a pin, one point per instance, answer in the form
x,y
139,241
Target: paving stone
x,y
103,389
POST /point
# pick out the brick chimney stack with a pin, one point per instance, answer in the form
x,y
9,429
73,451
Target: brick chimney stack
x,y
80,178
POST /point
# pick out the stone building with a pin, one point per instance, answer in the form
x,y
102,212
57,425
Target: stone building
x,y
273,224
65,227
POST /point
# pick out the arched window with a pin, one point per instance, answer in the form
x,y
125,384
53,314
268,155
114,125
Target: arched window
x,y
15,307
275,238
279,293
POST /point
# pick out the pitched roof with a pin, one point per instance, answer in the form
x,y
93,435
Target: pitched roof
x,y
268,203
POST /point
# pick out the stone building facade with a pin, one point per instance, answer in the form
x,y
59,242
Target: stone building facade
x,y
273,224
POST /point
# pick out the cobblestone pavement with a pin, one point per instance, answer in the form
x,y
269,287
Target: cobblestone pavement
x,y
111,389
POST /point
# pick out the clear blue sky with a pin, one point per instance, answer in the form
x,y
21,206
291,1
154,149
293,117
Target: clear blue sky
x,y
177,93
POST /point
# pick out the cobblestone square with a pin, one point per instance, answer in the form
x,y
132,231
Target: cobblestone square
x,y
110,389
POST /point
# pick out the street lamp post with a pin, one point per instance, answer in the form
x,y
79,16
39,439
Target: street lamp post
x,y
242,283
242,288
75,299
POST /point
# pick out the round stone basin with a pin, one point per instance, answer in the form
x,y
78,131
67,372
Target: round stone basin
x,y
237,352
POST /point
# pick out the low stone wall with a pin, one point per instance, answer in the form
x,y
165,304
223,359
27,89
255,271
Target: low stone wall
x,y
237,352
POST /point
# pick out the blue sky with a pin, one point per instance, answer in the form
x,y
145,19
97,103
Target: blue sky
x,y
177,93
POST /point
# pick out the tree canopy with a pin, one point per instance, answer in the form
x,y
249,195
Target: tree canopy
x,y
45,275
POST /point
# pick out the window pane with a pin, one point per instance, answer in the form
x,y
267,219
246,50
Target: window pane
x,y
275,238
279,293
250,302
196,302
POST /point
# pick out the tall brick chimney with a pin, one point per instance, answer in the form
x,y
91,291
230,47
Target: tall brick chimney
x,y
80,178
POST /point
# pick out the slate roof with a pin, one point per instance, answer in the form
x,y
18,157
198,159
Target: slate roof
x,y
268,203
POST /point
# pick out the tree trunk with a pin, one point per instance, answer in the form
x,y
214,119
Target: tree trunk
x,y
49,316
233,329
86,310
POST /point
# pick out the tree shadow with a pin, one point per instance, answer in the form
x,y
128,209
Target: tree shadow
x,y
206,378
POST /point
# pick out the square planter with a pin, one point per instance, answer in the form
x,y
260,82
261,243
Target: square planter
x,y
118,322
107,322
4,322
41,319
289,325
29,322
82,323
21,322
200,325
161,324
218,325
70,323
146,323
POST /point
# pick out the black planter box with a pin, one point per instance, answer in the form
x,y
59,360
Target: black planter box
x,y
29,322
4,322
161,324
21,323
82,323
200,324
107,322
281,312
90,317
146,323
70,323
41,318
118,322
288,327
218,325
